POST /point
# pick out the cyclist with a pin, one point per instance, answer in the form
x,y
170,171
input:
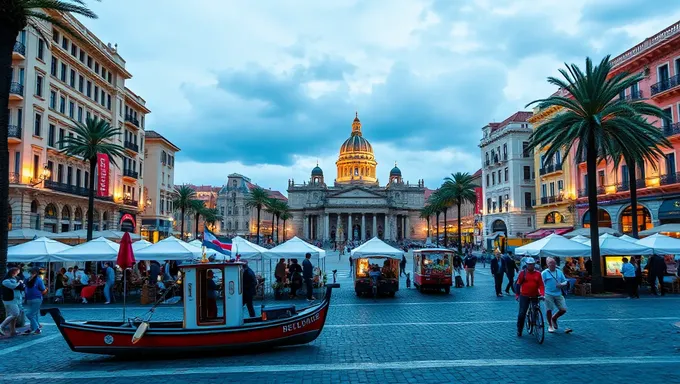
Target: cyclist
x,y
531,288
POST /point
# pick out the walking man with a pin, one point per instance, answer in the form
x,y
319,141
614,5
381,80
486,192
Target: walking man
x,y
402,265
308,275
554,282
510,269
351,264
531,288
498,270
657,269
470,262
249,288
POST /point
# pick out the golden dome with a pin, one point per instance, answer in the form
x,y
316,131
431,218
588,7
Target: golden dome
x,y
356,163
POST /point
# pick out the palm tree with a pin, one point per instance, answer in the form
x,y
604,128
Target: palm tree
x,y
89,140
197,208
210,216
184,195
438,206
599,122
277,207
15,16
426,213
461,188
285,216
257,198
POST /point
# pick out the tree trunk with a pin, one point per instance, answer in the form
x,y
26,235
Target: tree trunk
x,y
277,228
633,196
445,230
460,238
198,217
591,165
181,234
90,199
273,218
284,229
428,227
8,36
257,239
437,229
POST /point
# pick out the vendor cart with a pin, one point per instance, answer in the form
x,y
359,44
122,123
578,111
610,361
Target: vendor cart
x,y
376,268
432,269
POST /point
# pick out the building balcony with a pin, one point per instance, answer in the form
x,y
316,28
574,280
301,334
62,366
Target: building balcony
x,y
668,179
551,168
665,85
131,203
131,146
73,190
19,51
132,120
671,129
636,95
15,178
13,134
552,199
623,187
130,174
16,91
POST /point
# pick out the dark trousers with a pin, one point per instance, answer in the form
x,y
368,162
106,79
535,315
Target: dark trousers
x,y
652,283
310,288
403,270
631,286
211,303
248,302
524,302
511,284
498,280
294,286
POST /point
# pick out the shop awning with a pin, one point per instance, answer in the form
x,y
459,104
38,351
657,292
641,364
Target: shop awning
x,y
541,233
496,234
669,209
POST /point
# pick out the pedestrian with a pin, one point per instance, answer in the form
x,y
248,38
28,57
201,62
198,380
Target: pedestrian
x,y
555,282
35,289
11,294
510,269
211,295
402,265
498,270
484,260
308,275
656,267
59,286
249,288
295,272
628,273
470,262
531,286
351,264
154,271
110,280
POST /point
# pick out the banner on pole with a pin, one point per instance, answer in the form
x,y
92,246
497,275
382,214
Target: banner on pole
x,y
103,174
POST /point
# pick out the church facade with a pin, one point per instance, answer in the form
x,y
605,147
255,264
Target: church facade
x,y
355,206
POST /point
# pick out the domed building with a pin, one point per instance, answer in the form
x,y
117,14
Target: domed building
x,y
355,206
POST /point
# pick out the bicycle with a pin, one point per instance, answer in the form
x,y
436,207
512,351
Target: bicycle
x,y
534,322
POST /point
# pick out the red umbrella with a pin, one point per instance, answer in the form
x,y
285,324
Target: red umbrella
x,y
126,257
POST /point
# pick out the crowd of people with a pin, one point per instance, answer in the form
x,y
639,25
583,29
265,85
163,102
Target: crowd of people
x,y
292,275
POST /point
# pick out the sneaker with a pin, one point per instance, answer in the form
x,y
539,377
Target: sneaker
x,y
84,301
26,332
551,329
554,323
108,302
519,333
313,298
568,330
37,332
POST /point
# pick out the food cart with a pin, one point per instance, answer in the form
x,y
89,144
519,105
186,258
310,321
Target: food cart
x,y
432,269
376,268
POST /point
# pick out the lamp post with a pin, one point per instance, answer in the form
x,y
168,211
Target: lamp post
x,y
44,175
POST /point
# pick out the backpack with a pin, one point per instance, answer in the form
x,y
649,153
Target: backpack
x,y
518,286
7,294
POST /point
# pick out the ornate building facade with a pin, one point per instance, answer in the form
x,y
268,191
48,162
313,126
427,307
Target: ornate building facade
x,y
355,206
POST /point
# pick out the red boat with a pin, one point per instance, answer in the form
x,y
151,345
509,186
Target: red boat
x,y
205,326
432,269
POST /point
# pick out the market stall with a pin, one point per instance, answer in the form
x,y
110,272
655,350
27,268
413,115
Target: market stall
x,y
38,250
586,232
99,249
295,249
580,239
22,235
81,235
141,244
170,248
672,230
376,268
554,246
432,269
613,250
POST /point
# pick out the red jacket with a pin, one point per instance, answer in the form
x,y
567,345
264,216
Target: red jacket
x,y
531,283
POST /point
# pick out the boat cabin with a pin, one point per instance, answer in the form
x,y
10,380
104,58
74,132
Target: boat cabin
x,y
212,294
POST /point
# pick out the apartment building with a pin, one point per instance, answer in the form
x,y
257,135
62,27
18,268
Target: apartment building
x,y
55,83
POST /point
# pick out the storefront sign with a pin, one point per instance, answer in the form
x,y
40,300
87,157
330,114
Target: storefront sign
x,y
301,324
669,209
103,174
479,203
129,218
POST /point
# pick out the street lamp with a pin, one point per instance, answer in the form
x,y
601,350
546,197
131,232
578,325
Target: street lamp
x,y
44,175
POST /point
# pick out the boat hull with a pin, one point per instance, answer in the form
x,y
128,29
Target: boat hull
x,y
163,338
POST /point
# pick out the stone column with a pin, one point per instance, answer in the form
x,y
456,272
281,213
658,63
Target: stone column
x,y
337,227
326,227
407,230
305,226
386,230
349,227
363,227
375,226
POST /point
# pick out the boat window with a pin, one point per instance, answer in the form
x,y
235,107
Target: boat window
x,y
385,268
211,302
436,262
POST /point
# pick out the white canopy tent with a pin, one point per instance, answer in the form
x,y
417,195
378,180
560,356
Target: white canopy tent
x,y
82,234
554,245
139,245
38,250
246,249
628,238
28,234
580,239
664,228
377,247
196,243
613,246
662,245
99,249
295,247
170,248
586,232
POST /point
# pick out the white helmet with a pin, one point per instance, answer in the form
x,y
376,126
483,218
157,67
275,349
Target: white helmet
x,y
530,260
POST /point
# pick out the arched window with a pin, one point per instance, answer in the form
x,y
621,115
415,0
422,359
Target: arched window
x,y
229,225
66,213
554,217
50,211
106,216
78,216
236,225
34,206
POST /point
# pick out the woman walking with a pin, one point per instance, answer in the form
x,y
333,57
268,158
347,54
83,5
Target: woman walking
x,y
35,289
11,293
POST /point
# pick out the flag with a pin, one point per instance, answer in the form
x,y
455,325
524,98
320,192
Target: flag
x,y
210,241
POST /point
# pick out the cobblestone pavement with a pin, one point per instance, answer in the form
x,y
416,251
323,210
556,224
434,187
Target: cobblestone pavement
x,y
466,336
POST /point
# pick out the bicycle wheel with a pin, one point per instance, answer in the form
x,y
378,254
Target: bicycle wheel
x,y
539,326
528,322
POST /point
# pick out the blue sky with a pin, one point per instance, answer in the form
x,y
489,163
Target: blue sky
x,y
268,87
